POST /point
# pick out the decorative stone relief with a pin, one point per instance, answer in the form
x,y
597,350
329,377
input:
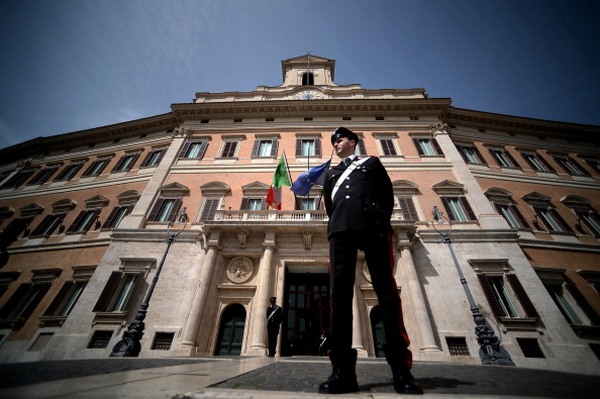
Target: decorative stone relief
x,y
307,237
438,127
240,269
365,271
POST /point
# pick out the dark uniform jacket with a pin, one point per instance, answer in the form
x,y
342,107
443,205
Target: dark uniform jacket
x,y
275,320
364,201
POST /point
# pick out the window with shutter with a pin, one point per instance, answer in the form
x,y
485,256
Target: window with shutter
x,y
84,221
22,303
48,225
387,146
120,292
209,209
69,172
153,158
407,208
116,216
458,209
507,299
43,175
126,162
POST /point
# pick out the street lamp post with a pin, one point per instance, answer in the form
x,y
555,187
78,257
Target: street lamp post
x,y
129,345
490,350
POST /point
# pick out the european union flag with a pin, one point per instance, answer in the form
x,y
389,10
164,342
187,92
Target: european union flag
x,y
313,176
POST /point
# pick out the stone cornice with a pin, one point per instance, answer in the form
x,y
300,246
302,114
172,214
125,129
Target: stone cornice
x,y
517,124
89,136
304,108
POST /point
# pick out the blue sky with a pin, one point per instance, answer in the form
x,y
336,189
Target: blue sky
x,y
68,65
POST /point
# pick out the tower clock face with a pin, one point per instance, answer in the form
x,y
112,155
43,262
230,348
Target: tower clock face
x,y
309,95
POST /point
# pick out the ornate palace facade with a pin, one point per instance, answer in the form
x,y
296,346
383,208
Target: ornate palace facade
x,y
496,229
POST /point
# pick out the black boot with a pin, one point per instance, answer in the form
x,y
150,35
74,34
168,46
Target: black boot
x,y
343,377
404,382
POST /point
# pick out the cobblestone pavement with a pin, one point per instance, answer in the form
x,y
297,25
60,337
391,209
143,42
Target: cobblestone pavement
x,y
247,377
374,377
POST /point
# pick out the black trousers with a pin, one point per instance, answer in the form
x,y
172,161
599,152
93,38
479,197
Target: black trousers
x,y
378,249
273,332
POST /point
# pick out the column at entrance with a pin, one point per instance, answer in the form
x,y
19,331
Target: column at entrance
x,y
406,272
357,321
258,318
188,345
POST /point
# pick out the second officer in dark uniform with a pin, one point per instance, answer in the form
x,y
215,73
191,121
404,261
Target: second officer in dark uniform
x,y
359,202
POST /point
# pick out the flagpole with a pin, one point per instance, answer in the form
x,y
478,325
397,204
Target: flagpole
x,y
287,166
321,193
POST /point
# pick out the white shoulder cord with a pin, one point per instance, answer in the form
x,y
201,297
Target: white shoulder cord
x,y
346,173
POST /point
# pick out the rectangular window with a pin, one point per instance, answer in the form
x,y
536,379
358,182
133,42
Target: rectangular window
x,y
21,304
229,149
69,172
508,299
387,146
308,204
193,149
43,175
66,299
590,219
458,209
48,225
116,215
125,163
551,219
254,204
163,341
100,339
594,163
18,178
407,208
570,166
503,157
512,215
428,147
265,148
471,154
537,162
457,346
96,167
84,221
153,158
120,292
165,210
308,147
530,347
209,209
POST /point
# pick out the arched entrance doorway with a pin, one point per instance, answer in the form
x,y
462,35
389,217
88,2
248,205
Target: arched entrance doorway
x,y
231,332
377,331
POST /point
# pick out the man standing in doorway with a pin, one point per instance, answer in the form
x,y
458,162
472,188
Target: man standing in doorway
x,y
274,317
359,201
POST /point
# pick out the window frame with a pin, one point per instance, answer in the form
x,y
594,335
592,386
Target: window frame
x,y
196,147
468,151
503,158
434,149
126,162
522,315
316,147
537,161
153,158
69,171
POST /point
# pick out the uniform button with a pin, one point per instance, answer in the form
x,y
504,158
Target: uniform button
x,y
348,178
347,196
347,186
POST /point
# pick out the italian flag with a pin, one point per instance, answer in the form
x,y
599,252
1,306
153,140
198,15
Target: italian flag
x,y
280,179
